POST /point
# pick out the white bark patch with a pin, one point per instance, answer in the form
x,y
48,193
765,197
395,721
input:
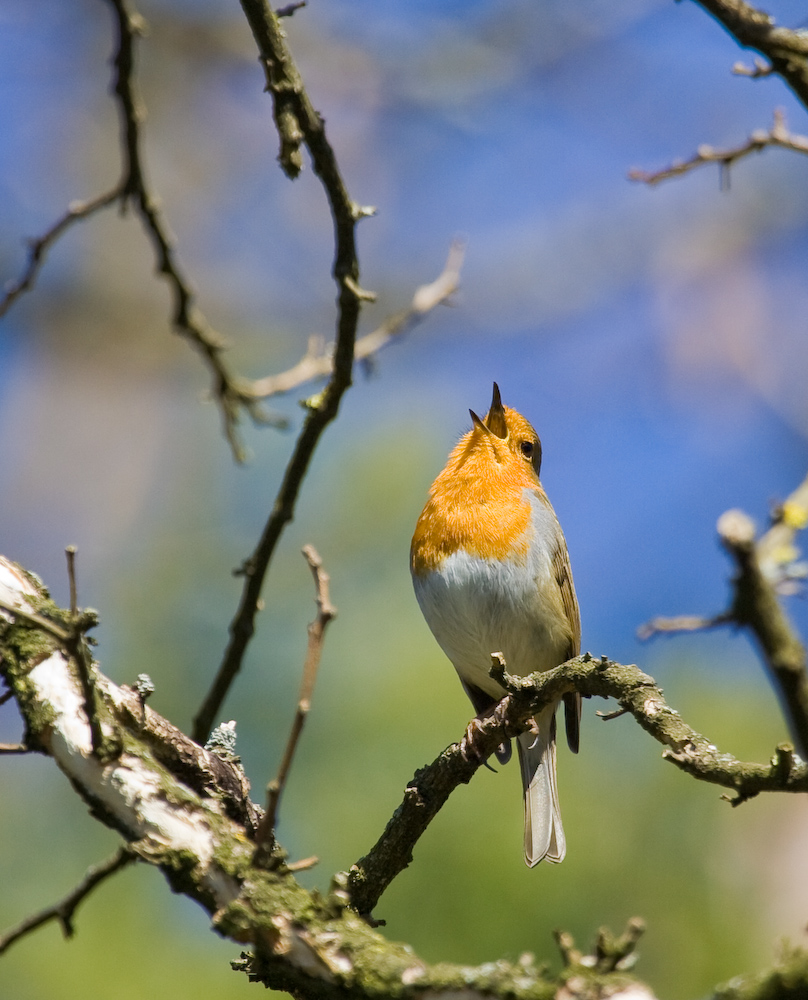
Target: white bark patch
x,y
130,788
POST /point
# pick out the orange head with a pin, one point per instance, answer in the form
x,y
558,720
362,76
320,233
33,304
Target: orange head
x,y
478,501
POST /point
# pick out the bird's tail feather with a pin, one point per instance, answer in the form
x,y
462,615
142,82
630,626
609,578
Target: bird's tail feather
x,y
544,834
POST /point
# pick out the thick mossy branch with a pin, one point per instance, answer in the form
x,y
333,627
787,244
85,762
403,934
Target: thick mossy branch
x,y
184,810
187,811
788,980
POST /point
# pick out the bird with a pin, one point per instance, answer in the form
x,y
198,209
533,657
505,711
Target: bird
x,y
491,573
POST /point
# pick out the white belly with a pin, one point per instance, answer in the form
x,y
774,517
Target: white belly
x,y
476,606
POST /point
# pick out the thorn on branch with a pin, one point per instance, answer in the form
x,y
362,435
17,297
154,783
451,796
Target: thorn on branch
x,y
361,293
290,9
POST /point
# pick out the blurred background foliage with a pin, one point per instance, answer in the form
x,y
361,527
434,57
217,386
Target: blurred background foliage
x,y
656,338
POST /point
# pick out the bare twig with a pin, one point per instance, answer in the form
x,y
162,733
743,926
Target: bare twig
x,y
681,623
38,247
778,135
318,362
77,649
298,123
188,319
64,910
326,612
608,716
304,864
70,553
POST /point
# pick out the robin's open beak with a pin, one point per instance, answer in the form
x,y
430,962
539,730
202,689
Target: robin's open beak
x,y
495,421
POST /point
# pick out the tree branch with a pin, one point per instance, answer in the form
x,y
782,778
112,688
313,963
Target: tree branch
x,y
64,910
755,605
778,135
163,803
318,362
326,612
635,692
38,247
764,569
786,50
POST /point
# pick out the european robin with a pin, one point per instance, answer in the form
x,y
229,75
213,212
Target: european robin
x,y
492,573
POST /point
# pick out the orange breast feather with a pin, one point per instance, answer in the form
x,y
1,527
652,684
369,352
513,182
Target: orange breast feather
x,y
476,504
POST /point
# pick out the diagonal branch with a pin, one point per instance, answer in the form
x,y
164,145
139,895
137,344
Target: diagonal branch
x,y
318,362
786,50
65,909
635,691
242,627
777,135
38,248
188,319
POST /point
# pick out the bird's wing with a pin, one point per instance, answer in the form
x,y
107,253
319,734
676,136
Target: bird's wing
x,y
572,701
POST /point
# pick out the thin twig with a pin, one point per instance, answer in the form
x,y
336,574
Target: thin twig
x,y
318,362
188,319
70,553
38,247
681,623
778,135
77,648
304,864
64,910
255,567
326,612
608,716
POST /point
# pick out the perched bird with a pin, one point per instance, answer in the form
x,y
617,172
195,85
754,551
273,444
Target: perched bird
x,y
491,573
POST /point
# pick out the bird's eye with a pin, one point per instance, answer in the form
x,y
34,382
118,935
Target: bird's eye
x,y
527,449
